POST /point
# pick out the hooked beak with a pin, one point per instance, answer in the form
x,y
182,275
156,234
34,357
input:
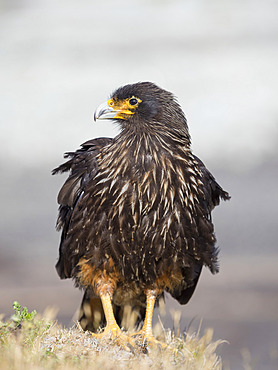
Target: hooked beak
x,y
104,111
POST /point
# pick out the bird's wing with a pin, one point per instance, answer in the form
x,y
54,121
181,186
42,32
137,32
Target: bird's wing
x,y
214,193
214,190
82,166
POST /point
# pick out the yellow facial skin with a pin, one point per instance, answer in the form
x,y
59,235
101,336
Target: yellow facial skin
x,y
124,107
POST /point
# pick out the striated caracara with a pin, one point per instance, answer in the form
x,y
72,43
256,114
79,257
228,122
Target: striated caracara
x,y
135,212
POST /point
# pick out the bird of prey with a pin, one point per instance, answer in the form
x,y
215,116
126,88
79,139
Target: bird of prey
x,y
135,212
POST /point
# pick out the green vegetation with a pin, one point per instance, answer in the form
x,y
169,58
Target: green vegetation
x,y
30,341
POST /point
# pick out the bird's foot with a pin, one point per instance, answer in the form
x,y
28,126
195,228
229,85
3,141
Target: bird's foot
x,y
114,333
147,339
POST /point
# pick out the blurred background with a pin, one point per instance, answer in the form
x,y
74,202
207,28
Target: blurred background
x,y
60,59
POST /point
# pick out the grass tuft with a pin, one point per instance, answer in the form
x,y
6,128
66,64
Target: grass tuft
x,y
34,342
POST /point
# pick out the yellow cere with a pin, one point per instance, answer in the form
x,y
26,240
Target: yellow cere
x,y
124,107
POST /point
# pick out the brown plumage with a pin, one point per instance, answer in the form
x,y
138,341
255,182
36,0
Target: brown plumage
x,y
135,211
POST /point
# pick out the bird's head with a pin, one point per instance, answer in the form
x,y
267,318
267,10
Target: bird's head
x,y
144,106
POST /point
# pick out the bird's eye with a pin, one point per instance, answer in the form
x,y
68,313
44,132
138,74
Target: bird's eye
x,y
133,101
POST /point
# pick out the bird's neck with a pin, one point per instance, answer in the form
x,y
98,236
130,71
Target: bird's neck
x,y
143,150
147,141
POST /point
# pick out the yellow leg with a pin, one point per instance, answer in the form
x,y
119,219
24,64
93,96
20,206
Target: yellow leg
x,y
146,333
112,330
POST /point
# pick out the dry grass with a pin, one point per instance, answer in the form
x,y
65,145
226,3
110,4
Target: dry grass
x,y
40,343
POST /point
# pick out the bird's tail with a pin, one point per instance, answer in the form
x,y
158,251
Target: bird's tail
x,y
91,315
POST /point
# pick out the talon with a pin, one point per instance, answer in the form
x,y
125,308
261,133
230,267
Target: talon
x,y
118,337
146,340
